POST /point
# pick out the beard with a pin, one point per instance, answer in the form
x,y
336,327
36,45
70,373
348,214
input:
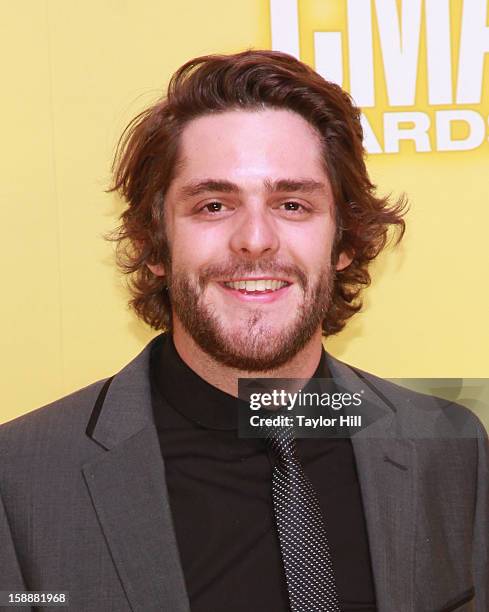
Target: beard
x,y
257,347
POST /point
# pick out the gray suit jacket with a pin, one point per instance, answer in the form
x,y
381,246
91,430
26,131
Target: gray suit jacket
x,y
84,506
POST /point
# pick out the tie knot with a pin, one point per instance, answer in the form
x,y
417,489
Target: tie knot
x,y
282,442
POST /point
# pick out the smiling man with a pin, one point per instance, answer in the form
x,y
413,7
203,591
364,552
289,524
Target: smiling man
x,y
250,220
249,228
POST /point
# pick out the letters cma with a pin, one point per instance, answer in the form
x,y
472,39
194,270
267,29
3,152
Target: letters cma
x,y
399,41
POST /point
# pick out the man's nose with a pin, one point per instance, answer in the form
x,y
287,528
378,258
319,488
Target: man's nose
x,y
255,235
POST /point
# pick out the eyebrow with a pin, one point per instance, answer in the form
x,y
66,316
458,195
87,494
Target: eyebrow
x,y
281,185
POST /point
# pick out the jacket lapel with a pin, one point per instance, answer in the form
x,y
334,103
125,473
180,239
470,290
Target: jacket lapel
x,y
128,489
385,464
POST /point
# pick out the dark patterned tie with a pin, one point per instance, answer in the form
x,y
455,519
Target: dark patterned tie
x,y
302,533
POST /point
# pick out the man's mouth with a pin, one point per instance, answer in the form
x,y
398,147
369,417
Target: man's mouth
x,y
256,286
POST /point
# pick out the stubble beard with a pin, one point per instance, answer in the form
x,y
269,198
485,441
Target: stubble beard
x,y
257,347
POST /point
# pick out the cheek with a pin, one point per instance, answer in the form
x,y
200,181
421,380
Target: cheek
x,y
312,249
193,248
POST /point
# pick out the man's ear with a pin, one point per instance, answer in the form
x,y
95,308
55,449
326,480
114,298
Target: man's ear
x,y
157,269
344,260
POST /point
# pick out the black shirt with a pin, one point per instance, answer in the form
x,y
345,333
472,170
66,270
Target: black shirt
x,y
220,494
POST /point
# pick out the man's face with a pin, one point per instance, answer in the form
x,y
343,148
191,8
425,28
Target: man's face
x,y
250,225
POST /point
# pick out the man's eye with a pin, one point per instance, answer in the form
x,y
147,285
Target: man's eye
x,y
213,207
293,207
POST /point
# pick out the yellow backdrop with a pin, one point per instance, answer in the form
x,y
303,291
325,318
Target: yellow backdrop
x,y
73,74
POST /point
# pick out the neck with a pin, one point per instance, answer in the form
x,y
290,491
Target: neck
x,y
302,365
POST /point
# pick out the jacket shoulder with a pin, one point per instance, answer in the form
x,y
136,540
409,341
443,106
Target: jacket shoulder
x,y
449,415
58,423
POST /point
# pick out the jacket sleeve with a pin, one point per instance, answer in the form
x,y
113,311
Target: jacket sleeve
x,y
481,526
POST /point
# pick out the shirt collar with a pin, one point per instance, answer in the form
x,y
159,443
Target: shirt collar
x,y
195,398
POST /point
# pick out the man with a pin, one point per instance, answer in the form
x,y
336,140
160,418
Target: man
x,y
250,225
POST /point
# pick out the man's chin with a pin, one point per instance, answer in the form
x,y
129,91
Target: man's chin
x,y
252,342
250,352
250,362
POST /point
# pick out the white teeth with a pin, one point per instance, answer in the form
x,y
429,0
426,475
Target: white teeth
x,y
258,285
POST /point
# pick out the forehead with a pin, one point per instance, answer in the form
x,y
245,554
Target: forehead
x,y
248,144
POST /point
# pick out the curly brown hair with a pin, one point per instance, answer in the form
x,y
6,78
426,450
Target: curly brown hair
x,y
147,158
